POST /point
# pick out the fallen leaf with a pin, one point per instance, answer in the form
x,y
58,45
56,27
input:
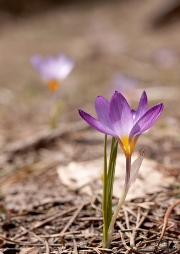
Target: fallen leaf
x,y
86,177
33,250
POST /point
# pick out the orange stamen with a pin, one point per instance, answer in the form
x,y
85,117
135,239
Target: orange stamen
x,y
126,146
53,85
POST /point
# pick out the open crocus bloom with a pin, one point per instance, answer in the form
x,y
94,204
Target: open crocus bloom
x,y
53,69
117,119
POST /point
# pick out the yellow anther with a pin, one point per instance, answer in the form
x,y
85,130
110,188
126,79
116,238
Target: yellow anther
x,y
53,85
126,146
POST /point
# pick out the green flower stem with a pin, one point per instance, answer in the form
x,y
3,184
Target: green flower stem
x,y
56,111
104,201
111,172
121,201
128,170
111,227
108,180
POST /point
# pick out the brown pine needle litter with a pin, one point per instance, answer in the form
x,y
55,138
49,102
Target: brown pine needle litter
x,y
75,224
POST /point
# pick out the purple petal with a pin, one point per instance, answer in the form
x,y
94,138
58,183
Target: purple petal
x,y
102,110
44,66
120,115
53,68
142,108
47,71
97,124
147,120
133,113
36,61
64,69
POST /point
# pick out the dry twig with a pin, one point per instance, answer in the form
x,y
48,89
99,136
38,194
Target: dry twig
x,y
166,217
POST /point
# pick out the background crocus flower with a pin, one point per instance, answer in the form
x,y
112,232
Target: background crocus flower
x,y
126,84
166,58
117,119
53,69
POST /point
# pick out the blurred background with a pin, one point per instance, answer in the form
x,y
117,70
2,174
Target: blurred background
x,y
127,45
124,45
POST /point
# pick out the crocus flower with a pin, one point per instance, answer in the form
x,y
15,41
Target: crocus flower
x,y
117,119
53,69
166,58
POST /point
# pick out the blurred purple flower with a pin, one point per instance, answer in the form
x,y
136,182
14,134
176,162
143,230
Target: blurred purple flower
x,y
117,119
53,69
126,85
166,58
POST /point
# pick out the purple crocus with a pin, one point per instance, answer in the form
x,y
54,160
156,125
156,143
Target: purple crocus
x,y
117,119
53,69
